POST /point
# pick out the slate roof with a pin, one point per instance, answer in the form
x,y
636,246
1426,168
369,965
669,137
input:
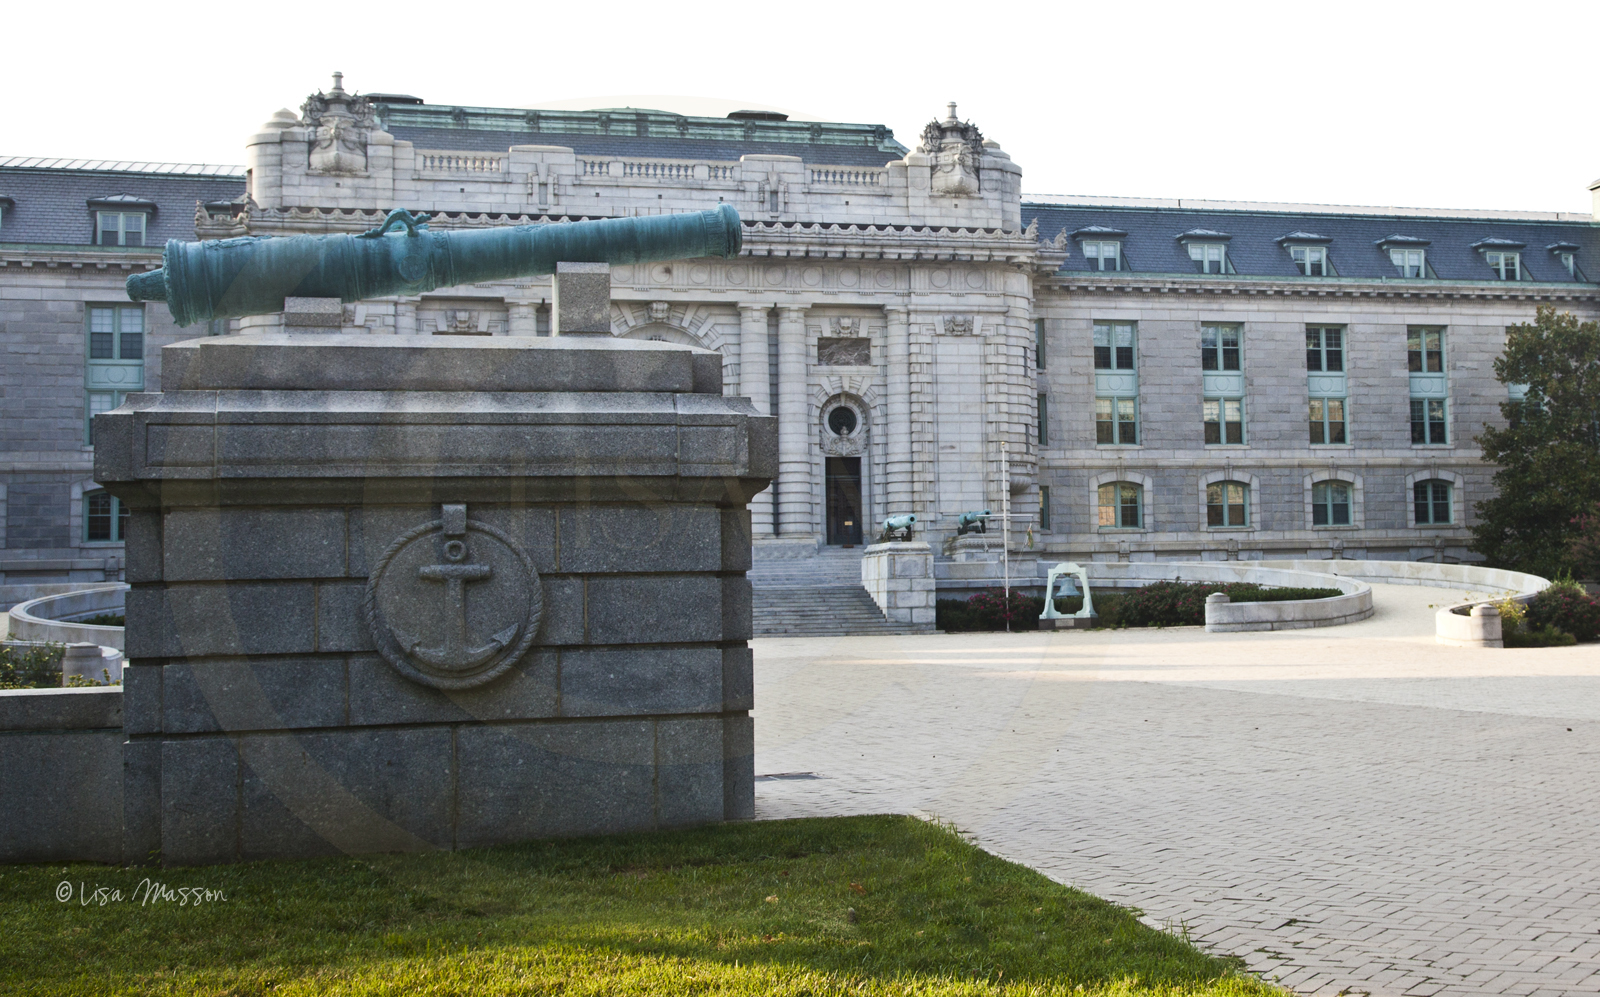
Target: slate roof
x,y
50,203
637,132
1258,245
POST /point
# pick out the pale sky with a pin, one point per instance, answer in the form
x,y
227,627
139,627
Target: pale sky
x,y
1420,104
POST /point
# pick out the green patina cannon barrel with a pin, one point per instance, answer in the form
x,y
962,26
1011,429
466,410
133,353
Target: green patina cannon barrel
x,y
251,276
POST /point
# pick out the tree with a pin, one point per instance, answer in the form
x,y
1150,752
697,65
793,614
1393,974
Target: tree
x,y
1549,453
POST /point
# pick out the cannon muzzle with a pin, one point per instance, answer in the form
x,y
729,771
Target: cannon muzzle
x,y
251,276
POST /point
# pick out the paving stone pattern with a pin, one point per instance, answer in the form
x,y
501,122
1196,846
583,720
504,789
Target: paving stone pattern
x,y
1351,810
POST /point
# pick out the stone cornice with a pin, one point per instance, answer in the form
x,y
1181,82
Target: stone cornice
x,y
1318,288
25,255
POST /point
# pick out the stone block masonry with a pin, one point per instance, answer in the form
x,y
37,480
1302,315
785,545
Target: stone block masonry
x,y
412,593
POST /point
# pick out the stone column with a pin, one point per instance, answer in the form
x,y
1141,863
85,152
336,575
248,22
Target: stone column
x,y
522,319
754,384
897,439
795,517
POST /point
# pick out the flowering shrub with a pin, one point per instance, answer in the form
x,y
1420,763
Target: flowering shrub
x,y
1567,607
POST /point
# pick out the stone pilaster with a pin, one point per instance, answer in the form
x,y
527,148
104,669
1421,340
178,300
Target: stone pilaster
x,y
795,517
898,437
755,384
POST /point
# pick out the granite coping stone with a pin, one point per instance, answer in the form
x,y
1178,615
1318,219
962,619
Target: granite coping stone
x,y
265,361
89,708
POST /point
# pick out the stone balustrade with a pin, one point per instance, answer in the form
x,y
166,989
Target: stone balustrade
x,y
431,161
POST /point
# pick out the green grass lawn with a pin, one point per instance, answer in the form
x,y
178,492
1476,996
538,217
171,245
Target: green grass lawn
x,y
862,905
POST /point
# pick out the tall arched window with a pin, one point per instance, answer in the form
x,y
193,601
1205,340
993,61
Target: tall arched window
x,y
1330,503
1121,506
105,518
1227,503
1432,502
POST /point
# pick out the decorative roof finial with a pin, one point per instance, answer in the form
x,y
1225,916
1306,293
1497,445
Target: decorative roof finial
x,y
953,111
338,84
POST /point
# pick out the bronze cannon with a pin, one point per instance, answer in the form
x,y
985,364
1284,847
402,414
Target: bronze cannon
x,y
229,278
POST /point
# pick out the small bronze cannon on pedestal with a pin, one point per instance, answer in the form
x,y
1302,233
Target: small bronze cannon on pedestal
x,y
230,278
976,521
900,525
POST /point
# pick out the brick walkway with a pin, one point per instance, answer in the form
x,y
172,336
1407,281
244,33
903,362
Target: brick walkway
x,y
1352,810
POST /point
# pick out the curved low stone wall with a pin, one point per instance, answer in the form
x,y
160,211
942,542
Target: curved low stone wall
x,y
50,618
1355,602
1449,627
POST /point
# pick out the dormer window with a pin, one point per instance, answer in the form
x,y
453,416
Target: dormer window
x,y
1508,266
1210,257
1312,260
1408,255
1102,247
121,219
1503,256
1309,252
1566,254
1208,250
1103,255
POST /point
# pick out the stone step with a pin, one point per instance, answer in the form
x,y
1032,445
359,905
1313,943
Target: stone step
x,y
820,611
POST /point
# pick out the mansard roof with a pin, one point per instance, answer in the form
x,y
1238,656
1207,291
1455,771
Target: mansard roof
x,y
636,132
53,200
1356,238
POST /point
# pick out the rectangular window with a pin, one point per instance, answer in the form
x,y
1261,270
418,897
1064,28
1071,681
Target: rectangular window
x,y
1210,257
1038,343
105,518
1103,255
1113,346
1427,421
1409,262
1324,348
1119,506
1224,421
1327,421
1044,420
1507,266
1312,261
1116,421
1219,347
1569,262
1225,503
1330,504
1044,507
120,228
1425,350
115,355
1432,502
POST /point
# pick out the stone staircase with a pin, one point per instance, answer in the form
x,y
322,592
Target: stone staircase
x,y
816,596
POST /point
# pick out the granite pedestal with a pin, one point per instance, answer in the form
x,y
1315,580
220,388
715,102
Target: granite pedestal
x,y
405,593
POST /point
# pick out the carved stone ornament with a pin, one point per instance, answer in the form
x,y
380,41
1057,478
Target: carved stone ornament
x,y
956,148
846,327
453,603
660,311
843,446
339,124
958,325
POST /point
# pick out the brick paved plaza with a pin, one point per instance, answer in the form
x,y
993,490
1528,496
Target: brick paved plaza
x,y
1352,810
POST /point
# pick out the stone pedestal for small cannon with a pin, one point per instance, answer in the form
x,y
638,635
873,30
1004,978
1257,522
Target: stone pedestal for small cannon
x,y
400,593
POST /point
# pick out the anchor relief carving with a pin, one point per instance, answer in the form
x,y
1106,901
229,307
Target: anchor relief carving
x,y
453,603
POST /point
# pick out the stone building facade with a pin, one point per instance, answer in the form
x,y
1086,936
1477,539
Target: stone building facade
x,y
911,318
71,231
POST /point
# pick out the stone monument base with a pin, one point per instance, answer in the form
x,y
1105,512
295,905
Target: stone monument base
x,y
1070,623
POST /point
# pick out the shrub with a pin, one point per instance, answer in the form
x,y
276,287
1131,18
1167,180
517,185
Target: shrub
x,y
1567,607
1547,636
106,620
992,609
36,666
